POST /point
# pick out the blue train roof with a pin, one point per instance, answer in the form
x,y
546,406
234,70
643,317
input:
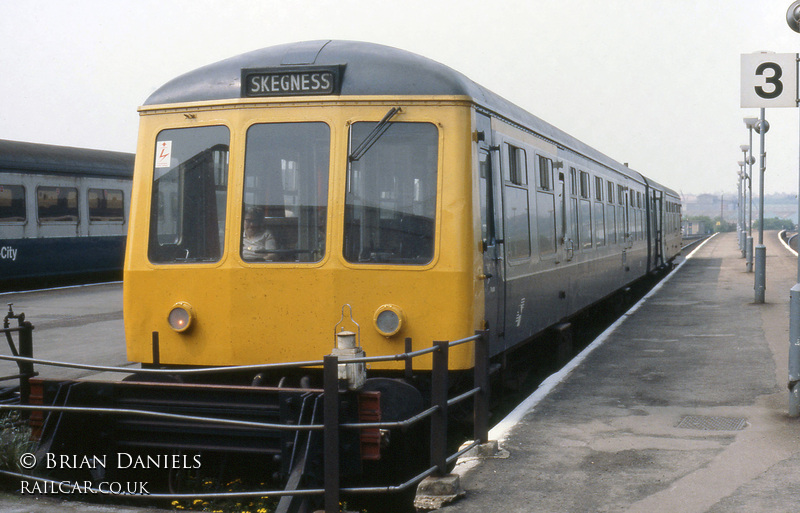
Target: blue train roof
x,y
368,69
16,156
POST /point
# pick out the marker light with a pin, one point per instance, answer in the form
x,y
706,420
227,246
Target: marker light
x,y
389,319
181,316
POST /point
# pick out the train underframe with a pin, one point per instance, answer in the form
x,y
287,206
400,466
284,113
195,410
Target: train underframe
x,y
178,451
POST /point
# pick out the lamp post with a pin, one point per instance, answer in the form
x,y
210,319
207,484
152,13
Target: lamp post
x,y
740,200
749,224
760,287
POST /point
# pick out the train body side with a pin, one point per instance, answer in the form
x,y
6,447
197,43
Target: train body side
x,y
589,229
63,213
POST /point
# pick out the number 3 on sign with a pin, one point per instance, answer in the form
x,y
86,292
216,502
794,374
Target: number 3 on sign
x,y
769,80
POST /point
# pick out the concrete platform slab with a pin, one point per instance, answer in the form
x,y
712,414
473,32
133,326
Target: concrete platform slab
x,y
683,408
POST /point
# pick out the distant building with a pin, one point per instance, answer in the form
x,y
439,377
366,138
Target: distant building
x,y
782,206
693,228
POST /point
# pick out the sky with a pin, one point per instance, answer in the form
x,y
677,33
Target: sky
x,y
654,83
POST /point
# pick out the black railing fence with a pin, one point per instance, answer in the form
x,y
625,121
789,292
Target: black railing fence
x,y
332,427
23,351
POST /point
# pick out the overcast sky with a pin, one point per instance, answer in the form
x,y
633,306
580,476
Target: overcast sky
x,y
655,83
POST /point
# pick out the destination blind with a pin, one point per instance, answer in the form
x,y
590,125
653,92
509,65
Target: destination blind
x,y
290,81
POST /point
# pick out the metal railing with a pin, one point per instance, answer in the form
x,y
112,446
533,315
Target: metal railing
x,y
23,351
331,426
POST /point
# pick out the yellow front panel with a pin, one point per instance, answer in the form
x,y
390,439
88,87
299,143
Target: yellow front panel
x,y
249,313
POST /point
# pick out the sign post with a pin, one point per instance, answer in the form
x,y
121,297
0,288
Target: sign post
x,y
768,80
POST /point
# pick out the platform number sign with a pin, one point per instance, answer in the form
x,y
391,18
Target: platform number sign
x,y
769,80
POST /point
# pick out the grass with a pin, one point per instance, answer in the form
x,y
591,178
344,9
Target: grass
x,y
14,440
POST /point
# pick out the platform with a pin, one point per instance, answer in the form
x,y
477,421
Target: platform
x,y
81,324
682,408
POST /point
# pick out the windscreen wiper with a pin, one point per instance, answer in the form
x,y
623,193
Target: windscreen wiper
x,y
374,135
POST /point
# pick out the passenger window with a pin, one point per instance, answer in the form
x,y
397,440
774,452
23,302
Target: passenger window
x,y
517,223
586,224
585,185
575,213
390,203
516,205
545,174
106,205
57,204
189,199
611,225
545,208
640,228
546,222
573,181
599,224
517,170
12,204
286,192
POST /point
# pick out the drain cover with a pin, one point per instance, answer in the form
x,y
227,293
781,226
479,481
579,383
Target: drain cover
x,y
713,423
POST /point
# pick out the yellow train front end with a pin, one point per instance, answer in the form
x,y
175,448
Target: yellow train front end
x,y
257,221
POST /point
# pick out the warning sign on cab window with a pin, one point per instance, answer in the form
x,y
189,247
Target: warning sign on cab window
x,y
164,154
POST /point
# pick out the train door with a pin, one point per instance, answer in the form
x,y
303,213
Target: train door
x,y
627,196
655,237
658,220
566,245
491,235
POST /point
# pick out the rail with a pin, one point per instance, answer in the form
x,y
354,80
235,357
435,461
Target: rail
x,y
331,426
690,243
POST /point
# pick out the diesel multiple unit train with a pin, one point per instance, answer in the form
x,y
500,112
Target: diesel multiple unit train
x,y
63,213
275,190
377,179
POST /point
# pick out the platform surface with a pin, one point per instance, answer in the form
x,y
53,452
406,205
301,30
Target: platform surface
x,y
683,408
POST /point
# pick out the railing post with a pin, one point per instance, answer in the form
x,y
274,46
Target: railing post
x,y
25,368
331,438
439,398
481,406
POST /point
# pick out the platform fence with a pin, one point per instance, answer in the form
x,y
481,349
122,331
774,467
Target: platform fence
x,y
437,412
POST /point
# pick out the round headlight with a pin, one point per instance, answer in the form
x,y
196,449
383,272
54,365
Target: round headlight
x,y
389,320
181,316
